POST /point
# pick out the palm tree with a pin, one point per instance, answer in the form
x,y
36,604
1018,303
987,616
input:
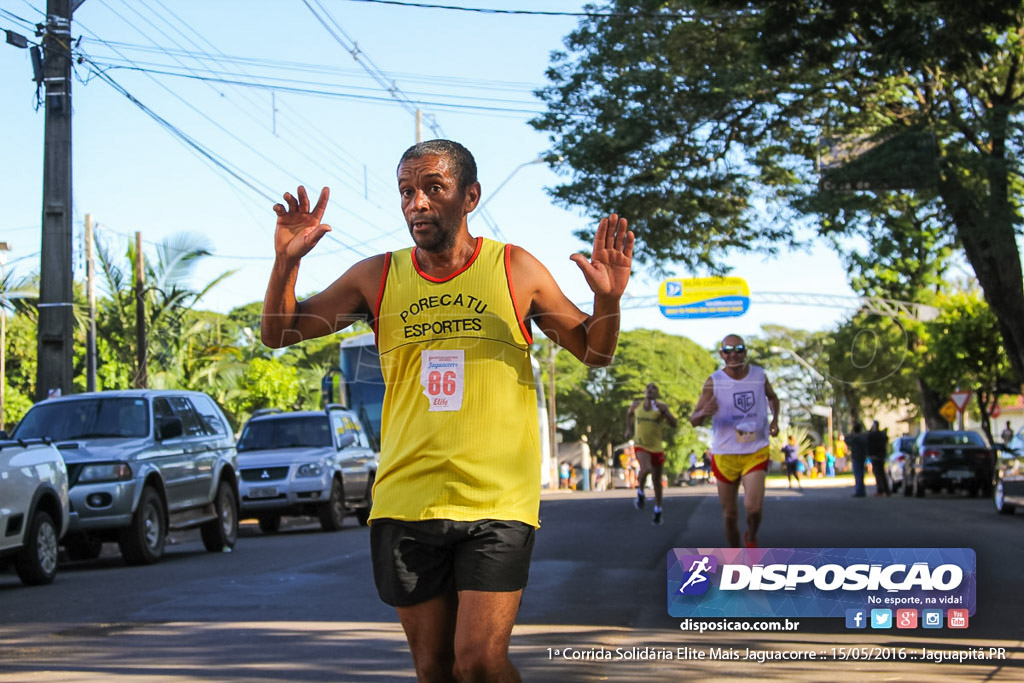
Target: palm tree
x,y
172,330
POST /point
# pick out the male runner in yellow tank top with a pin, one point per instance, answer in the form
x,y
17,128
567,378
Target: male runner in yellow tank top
x,y
646,419
454,511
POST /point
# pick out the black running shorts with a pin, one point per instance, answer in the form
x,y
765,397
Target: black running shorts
x,y
416,561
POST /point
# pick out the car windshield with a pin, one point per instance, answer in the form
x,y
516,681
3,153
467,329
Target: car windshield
x,y
86,419
286,432
953,439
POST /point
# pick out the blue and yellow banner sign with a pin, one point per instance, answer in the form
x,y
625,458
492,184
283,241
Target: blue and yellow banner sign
x,y
704,297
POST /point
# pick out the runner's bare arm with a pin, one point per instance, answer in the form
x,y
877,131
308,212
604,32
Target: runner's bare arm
x,y
706,404
591,338
669,417
773,403
285,319
629,420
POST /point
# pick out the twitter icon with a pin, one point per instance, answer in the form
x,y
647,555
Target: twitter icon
x,y
881,618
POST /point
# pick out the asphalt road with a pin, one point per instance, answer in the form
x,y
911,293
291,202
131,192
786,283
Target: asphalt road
x,y
301,606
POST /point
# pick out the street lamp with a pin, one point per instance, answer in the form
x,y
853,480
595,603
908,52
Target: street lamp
x,y
479,210
824,411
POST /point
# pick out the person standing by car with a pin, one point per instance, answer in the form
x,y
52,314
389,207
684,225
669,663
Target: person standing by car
x,y
737,398
646,418
857,443
1007,433
454,509
878,448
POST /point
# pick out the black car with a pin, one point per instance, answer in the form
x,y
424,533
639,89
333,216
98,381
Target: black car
x,y
950,460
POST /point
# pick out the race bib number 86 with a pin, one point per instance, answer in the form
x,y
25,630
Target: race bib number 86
x,y
443,376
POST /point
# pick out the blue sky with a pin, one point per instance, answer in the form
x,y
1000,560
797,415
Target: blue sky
x,y
472,74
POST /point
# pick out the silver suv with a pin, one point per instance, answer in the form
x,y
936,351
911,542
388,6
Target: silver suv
x,y
33,508
306,463
141,462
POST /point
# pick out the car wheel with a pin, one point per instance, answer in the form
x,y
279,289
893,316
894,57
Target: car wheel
x,y
143,541
999,498
908,485
36,563
222,532
972,490
332,513
269,524
83,547
918,486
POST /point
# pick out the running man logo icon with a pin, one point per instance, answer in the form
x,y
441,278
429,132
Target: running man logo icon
x,y
698,567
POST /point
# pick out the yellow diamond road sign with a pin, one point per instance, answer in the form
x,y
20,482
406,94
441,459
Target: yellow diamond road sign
x,y
948,411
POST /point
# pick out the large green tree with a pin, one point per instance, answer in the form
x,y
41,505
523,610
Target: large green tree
x,y
704,122
595,400
963,351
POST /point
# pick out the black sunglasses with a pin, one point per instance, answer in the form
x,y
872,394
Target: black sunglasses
x,y
739,348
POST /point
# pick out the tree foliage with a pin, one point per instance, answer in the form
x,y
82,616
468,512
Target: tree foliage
x,y
705,121
964,352
595,400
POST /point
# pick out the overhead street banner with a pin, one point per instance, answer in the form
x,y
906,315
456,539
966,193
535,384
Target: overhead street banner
x,y
704,297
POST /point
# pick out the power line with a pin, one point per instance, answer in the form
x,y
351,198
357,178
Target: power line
x,y
292,66
547,13
327,93
378,75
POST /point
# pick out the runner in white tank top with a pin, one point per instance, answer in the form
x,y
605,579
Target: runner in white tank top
x,y
738,398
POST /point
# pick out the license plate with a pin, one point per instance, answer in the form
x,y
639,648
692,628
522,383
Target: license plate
x,y
263,492
957,475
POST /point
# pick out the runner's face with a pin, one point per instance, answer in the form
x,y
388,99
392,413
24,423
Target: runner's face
x,y
651,391
433,205
733,358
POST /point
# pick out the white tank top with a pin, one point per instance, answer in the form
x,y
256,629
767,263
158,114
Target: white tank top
x,y
741,424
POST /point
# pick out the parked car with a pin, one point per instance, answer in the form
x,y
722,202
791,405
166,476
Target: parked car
x,y
951,460
902,447
140,463
1008,491
33,508
306,463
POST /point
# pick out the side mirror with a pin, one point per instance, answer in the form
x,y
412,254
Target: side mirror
x,y
346,439
169,428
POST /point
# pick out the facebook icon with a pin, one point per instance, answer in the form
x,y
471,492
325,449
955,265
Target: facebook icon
x,y
856,618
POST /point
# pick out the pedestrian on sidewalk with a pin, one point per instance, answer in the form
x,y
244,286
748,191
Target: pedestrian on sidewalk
x,y
857,443
878,447
738,398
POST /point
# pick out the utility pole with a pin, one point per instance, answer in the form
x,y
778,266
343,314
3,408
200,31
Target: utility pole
x,y
56,320
141,374
90,294
419,126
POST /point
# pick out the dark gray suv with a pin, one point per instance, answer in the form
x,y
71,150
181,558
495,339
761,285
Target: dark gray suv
x,y
140,463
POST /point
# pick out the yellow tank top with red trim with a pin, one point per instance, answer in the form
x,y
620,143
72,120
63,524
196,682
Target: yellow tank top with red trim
x,y
648,432
460,434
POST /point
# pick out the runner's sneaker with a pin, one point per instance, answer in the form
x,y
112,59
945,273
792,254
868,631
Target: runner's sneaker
x,y
746,540
656,521
638,503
